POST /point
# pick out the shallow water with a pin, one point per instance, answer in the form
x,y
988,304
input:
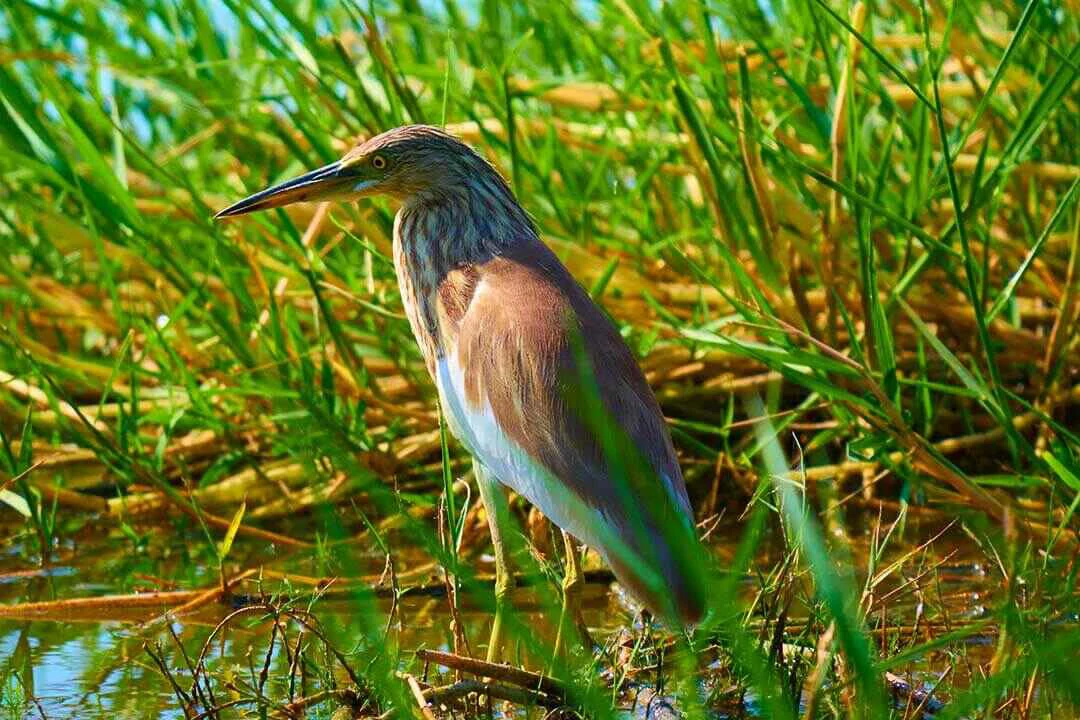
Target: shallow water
x,y
91,662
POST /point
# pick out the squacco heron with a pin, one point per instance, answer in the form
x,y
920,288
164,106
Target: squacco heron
x,y
533,379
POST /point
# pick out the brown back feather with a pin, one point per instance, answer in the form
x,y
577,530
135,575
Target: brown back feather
x,y
521,344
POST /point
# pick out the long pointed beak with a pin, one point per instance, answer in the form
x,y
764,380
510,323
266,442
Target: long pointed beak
x,y
315,185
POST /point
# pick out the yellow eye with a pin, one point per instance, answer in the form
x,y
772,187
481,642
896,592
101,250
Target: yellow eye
x,y
378,162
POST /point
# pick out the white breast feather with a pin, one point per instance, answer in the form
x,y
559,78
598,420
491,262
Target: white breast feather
x,y
479,431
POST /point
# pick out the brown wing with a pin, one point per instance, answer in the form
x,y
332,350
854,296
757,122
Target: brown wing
x,y
560,381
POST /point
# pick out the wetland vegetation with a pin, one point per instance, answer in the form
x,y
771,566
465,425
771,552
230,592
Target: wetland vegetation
x,y
842,239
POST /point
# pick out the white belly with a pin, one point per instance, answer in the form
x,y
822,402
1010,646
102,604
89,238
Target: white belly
x,y
481,435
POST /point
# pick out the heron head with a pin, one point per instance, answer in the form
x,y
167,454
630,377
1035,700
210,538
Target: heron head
x,y
402,163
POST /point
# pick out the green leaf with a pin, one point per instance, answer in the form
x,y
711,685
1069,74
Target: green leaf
x,y
230,534
1010,287
969,380
1063,471
15,501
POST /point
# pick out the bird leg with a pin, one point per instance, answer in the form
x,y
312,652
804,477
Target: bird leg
x,y
572,585
498,514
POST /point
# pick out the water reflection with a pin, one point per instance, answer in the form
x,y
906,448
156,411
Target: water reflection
x,y
91,661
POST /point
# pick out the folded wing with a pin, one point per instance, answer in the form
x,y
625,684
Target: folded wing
x,y
541,388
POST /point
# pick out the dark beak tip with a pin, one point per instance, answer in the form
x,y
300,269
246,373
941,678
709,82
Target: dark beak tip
x,y
232,211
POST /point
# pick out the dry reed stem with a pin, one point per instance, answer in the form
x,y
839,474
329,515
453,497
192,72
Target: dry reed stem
x,y
95,606
70,498
817,676
206,597
947,446
520,696
728,49
40,397
830,247
418,695
496,671
296,708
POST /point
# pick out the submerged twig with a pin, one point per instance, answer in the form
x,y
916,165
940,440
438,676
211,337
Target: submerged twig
x,y
496,671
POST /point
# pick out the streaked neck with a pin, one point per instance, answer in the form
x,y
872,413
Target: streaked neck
x,y
468,223
436,233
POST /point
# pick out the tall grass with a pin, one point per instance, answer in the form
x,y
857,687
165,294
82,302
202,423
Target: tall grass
x,y
842,239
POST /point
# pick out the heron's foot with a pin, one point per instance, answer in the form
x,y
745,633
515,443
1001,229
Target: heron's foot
x,y
498,513
504,584
571,619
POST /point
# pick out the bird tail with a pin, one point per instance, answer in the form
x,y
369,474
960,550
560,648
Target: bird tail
x,y
668,572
